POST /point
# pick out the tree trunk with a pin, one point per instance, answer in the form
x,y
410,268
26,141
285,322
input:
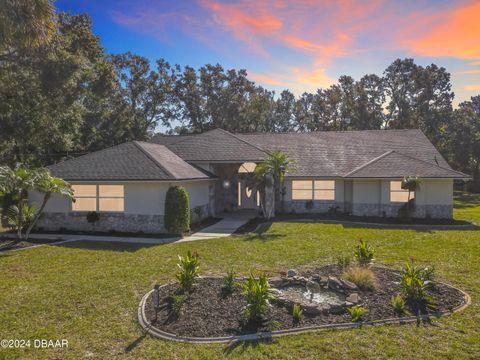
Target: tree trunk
x,y
20,219
37,216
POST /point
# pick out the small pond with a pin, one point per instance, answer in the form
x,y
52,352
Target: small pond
x,y
309,296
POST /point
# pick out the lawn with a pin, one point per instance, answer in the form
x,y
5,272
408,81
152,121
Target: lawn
x,y
89,294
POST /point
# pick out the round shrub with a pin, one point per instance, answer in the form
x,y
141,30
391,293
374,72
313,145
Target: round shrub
x,y
177,210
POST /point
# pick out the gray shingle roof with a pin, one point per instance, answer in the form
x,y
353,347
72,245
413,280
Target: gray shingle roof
x,y
128,161
213,145
395,165
337,153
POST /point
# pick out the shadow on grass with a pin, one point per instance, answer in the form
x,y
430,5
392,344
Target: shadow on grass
x,y
105,245
242,346
135,343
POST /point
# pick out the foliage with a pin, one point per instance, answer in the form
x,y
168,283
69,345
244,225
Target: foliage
x,y
229,281
177,303
198,211
93,217
363,277
20,221
412,184
189,268
177,210
357,313
343,262
309,205
257,296
18,182
297,313
364,253
415,285
398,304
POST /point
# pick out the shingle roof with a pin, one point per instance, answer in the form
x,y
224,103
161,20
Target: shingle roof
x,y
213,145
128,161
395,165
337,153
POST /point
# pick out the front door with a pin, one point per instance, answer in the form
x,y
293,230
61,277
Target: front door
x,y
247,199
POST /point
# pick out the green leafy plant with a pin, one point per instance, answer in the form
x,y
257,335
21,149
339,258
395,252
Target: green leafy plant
x,y
257,295
309,205
412,184
343,262
415,285
297,313
357,313
364,278
198,211
93,217
364,253
229,282
399,305
177,210
189,269
177,303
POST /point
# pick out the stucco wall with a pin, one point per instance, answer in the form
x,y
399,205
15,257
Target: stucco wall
x,y
144,208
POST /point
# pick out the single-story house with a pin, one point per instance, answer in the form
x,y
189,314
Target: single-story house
x,y
356,172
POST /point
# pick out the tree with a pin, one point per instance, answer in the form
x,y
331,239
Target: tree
x,y
277,164
412,184
25,24
18,182
464,139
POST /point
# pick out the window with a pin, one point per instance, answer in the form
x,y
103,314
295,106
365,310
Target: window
x,y
313,190
98,198
397,194
85,196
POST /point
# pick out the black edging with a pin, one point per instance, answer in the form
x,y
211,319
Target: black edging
x,y
160,334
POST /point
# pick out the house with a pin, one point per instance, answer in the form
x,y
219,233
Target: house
x,y
356,172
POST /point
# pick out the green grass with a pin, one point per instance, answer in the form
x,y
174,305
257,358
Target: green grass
x,y
89,293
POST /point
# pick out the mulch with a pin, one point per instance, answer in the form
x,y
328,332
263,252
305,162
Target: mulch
x,y
7,244
209,312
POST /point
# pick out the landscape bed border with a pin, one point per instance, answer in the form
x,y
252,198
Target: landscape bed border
x,y
160,334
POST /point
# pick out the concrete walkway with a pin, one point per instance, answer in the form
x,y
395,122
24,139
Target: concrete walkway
x,y
227,226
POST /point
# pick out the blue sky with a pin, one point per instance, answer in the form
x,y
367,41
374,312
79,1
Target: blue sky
x,y
301,45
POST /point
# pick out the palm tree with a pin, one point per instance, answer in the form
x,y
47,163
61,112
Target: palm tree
x,y
412,184
18,182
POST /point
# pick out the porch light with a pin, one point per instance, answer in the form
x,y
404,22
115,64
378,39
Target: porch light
x,y
226,184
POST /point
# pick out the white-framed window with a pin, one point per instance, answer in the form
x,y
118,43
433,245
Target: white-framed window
x,y
397,194
313,190
106,198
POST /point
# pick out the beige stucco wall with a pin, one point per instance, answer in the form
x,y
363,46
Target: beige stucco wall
x,y
366,192
142,198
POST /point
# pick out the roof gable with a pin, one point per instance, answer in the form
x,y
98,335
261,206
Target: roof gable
x,y
395,165
128,161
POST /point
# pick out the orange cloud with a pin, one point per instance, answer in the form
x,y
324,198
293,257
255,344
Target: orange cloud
x,y
454,33
266,79
475,63
471,71
473,87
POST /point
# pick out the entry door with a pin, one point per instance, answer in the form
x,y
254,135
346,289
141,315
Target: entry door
x,y
247,197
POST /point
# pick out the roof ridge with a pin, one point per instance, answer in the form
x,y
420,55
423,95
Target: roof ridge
x,y
91,153
326,131
369,163
244,141
146,153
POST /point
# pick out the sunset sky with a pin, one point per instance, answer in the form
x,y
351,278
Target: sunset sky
x,y
301,45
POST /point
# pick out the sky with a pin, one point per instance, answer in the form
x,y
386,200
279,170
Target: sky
x,y
301,45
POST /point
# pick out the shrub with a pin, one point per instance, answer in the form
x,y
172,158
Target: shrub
x,y
364,278
257,295
177,303
309,205
364,253
93,217
297,313
415,285
343,262
198,211
357,313
229,282
177,210
398,304
189,269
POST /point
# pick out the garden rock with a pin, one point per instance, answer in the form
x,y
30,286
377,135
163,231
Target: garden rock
x,y
334,283
291,273
353,298
348,285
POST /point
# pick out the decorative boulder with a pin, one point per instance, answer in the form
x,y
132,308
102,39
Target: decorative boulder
x,y
291,273
348,285
353,298
334,283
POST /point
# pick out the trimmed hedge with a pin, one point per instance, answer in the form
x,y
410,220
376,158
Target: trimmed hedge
x,y
177,210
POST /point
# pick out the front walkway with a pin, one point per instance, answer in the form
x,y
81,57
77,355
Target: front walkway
x,y
227,226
